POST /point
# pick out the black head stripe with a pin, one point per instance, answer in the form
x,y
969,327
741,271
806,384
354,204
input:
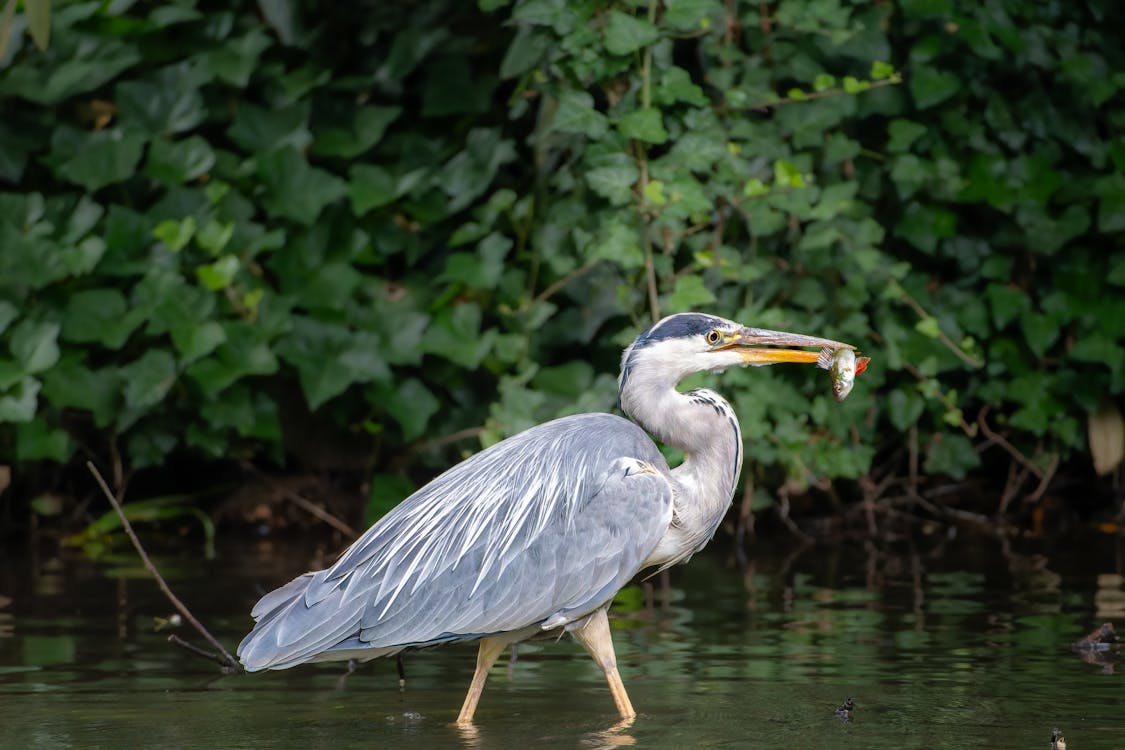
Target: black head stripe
x,y
679,326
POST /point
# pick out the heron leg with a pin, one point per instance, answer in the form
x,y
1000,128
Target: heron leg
x,y
595,637
487,654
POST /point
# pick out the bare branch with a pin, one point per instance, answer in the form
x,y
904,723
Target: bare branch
x,y
307,505
229,660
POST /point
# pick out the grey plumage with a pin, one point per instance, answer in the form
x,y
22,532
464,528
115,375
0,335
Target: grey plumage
x,y
539,531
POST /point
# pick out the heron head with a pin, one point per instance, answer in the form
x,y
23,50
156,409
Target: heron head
x,y
687,343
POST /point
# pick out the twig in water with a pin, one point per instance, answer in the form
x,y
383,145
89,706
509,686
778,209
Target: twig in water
x,y
229,660
176,640
782,509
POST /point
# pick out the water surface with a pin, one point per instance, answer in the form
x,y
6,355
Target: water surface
x,y
951,643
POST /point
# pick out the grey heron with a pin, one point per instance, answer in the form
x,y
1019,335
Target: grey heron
x,y
535,534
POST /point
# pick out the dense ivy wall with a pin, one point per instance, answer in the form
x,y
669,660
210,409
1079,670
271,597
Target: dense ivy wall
x,y
329,235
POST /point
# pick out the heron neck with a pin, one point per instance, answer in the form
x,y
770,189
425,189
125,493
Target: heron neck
x,y
703,425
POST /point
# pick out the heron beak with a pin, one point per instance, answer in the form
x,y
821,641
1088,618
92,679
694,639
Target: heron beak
x,y
746,338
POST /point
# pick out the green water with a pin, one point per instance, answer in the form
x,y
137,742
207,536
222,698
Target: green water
x,y
948,644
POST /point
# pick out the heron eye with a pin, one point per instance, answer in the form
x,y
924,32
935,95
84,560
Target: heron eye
x,y
713,337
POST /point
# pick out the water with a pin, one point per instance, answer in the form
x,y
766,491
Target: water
x,y
949,644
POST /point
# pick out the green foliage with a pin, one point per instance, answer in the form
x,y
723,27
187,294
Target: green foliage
x,y
433,218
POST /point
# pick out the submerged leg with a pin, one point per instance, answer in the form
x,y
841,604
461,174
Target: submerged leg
x,y
489,652
594,636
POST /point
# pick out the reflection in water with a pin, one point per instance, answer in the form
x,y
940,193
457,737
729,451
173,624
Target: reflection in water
x,y
480,737
969,643
615,736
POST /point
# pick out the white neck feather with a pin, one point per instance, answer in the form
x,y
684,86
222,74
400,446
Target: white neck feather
x,y
704,426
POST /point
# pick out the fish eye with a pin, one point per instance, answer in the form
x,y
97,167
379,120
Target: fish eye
x,y
713,336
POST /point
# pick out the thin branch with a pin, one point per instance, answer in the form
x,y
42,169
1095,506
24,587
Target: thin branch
x,y
176,640
230,661
577,273
892,81
307,505
1045,480
960,353
782,509
945,511
642,184
1017,473
1000,440
444,440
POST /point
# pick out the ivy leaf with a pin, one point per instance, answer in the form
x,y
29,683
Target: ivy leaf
x,y
654,193
101,158
235,60
902,134
169,103
823,82
524,53
923,225
456,335
482,269
214,236
370,187
905,406
617,243
787,175
364,131
643,125
71,384
177,162
614,181
1111,212
691,15
928,327
35,345
246,351
148,379
881,70
218,275
279,14
755,188
1039,330
354,355
468,174
258,130
196,340
18,404
1006,302
625,33
576,114
412,405
951,454
100,315
175,234
930,87
690,294
388,490
676,86
8,313
36,441
295,190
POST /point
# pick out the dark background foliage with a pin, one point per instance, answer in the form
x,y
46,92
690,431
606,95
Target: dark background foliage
x,y
356,241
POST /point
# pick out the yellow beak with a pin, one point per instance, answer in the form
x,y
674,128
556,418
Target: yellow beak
x,y
757,337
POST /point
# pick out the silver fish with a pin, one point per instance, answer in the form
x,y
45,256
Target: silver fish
x,y
843,366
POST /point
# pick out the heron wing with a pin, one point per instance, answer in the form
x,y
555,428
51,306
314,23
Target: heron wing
x,y
540,529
